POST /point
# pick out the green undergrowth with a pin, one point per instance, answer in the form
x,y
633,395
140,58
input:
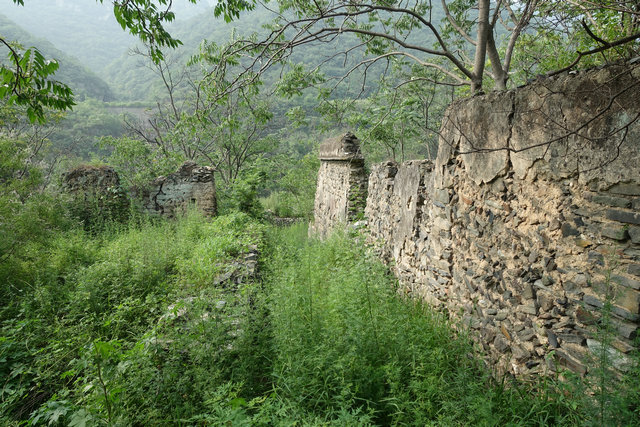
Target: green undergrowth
x,y
98,328
346,345
155,323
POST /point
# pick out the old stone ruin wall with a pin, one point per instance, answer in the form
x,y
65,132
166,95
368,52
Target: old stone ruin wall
x,y
528,222
190,185
95,193
99,187
343,182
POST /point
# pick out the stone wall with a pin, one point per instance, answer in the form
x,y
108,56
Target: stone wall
x,y
89,178
342,184
191,184
528,222
96,194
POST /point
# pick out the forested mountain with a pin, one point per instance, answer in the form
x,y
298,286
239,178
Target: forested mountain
x,y
83,81
86,29
131,77
130,74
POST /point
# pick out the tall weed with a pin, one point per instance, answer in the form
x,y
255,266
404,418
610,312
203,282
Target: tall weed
x,y
112,288
344,338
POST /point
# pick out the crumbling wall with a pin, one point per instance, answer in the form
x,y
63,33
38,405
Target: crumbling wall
x,y
90,178
96,194
191,184
342,184
528,223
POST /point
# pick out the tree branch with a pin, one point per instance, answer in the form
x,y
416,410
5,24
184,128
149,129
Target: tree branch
x,y
609,45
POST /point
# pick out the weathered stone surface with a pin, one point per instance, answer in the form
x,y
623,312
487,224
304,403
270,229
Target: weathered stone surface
x,y
616,202
561,121
615,232
626,281
592,301
520,353
626,330
190,185
629,299
569,230
570,362
514,241
571,338
342,184
501,344
596,258
619,360
586,316
480,131
89,178
626,314
344,147
628,189
623,216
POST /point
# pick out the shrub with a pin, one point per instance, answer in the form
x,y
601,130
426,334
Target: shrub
x,y
344,338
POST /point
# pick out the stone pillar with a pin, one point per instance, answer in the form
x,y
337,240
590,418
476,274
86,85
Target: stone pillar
x,y
342,184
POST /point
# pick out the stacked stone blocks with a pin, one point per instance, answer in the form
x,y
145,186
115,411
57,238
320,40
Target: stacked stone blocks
x,y
342,184
172,194
528,222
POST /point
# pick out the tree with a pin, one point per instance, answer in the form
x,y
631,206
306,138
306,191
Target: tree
x,y
199,120
27,78
27,82
401,121
468,42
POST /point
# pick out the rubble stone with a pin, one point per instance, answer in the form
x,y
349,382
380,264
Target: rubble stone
x,y
190,185
518,216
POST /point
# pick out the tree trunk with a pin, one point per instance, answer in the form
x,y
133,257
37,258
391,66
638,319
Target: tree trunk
x,y
481,45
499,73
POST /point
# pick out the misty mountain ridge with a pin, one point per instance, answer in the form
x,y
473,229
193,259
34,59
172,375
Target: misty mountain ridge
x,y
86,29
72,72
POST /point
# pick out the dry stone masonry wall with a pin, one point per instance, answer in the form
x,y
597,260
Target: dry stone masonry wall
x,y
191,184
89,178
528,222
96,194
342,184
98,188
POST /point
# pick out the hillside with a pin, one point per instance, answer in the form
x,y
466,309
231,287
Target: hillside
x,y
83,81
130,76
87,29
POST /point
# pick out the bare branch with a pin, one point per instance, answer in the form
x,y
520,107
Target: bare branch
x,y
581,55
455,24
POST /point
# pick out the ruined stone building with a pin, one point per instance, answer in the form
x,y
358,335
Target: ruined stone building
x,y
525,226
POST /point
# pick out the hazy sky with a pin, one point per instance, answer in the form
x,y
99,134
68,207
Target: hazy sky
x,y
86,29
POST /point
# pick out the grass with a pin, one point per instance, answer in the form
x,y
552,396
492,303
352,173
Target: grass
x,y
345,341
130,327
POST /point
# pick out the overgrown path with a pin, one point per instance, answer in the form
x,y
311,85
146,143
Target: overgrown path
x,y
155,324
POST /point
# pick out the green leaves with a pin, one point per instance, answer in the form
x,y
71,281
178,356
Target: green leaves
x,y
297,79
231,9
26,81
